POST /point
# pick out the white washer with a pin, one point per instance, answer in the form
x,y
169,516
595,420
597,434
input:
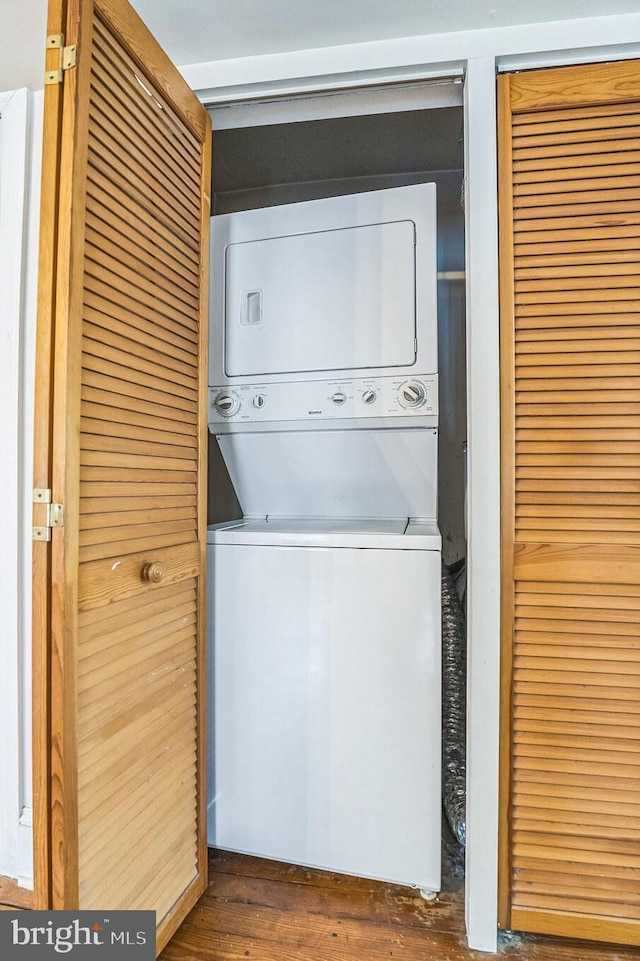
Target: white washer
x,y
326,697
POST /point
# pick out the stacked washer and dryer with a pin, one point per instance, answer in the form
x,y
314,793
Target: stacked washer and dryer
x,y
324,712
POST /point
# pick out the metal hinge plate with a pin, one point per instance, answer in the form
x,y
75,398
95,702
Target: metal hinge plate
x,y
54,518
67,58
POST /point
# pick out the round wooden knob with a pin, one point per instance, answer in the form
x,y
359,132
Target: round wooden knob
x,y
153,572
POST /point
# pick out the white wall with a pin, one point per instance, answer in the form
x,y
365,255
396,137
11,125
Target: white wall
x,y
324,68
479,54
20,127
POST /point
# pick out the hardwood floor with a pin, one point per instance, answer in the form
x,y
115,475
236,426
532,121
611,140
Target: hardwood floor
x,y
267,911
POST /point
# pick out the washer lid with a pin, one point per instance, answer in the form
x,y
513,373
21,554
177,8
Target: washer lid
x,y
387,534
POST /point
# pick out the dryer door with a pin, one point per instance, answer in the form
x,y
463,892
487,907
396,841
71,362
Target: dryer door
x,y
321,301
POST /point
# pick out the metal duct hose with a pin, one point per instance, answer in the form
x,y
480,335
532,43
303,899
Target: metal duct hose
x,y
454,696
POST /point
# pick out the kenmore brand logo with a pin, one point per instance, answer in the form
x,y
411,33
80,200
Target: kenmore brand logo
x,y
315,411
49,934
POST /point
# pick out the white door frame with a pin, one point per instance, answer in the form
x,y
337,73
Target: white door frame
x,y
15,647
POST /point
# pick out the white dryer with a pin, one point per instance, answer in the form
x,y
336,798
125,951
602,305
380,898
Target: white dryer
x,y
324,601
325,311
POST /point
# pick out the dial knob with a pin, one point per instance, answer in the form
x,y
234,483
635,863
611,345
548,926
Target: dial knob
x,y
339,398
227,403
412,394
369,396
259,401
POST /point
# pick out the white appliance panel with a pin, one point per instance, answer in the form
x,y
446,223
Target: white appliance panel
x,y
321,301
334,473
310,404
326,709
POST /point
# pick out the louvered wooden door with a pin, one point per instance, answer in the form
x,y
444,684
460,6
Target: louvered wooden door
x,y
570,332
123,310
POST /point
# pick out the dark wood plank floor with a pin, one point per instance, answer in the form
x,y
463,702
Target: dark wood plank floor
x,y
266,911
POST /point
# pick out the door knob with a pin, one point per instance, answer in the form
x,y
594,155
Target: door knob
x,y
153,572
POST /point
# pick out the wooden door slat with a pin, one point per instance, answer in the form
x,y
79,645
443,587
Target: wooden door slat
x,y
100,398
106,314
612,203
156,608
589,116
117,94
129,419
134,545
529,184
98,535
569,806
138,248
122,381
157,474
569,339
128,489
139,341
577,445
134,713
108,202
579,595
139,793
126,286
126,831
153,514
161,158
143,363
146,272
155,433
120,67
153,447
96,507
111,130
132,185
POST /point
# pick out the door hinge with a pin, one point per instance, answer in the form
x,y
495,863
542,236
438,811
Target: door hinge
x,y
66,59
54,518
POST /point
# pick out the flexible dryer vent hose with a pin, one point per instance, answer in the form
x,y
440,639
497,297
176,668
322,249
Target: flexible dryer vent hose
x,y
454,690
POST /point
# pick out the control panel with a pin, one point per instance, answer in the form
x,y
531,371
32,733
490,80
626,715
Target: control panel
x,y
323,400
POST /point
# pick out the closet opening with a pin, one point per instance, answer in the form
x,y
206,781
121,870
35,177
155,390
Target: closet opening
x,y
312,148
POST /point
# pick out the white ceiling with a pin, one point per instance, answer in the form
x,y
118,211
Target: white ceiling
x,y
194,31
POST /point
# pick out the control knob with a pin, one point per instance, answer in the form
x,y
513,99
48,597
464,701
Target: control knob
x,y
339,398
227,403
369,396
259,401
413,394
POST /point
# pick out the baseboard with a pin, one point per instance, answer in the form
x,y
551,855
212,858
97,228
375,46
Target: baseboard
x,y
13,895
